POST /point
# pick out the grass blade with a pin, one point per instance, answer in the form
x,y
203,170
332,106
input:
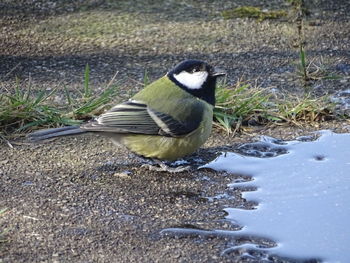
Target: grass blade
x,y
87,89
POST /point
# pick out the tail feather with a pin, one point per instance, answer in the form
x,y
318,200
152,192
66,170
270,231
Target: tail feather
x,y
55,132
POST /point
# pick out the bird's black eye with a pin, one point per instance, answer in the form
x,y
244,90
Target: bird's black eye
x,y
195,69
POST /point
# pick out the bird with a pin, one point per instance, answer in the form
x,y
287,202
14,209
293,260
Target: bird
x,y
168,119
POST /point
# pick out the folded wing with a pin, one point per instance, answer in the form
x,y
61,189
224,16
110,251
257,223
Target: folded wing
x,y
136,117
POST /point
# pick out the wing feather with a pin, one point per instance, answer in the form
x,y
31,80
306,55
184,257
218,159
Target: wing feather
x,y
136,117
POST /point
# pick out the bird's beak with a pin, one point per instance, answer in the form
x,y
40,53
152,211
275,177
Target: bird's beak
x,y
217,72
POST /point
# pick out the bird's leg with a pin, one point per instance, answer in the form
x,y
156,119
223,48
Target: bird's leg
x,y
162,167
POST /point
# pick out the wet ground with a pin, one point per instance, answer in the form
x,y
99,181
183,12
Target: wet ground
x,y
298,186
80,199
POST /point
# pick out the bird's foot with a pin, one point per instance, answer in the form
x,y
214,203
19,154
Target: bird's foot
x,y
161,167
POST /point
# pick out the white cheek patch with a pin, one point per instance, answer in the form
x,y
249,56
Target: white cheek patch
x,y
192,80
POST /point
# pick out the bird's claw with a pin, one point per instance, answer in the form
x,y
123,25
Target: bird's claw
x,y
165,168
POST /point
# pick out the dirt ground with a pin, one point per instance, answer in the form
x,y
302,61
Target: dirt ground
x,y
80,199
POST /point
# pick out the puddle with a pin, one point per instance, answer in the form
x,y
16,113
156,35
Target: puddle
x,y
302,196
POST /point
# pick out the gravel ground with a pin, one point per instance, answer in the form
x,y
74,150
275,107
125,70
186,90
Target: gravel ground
x,y
50,42
80,199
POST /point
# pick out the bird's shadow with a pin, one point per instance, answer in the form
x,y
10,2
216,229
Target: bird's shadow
x,y
134,161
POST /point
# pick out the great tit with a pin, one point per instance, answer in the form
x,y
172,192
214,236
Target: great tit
x,y
167,120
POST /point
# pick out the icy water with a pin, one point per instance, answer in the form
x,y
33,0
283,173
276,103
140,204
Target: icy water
x,y
302,195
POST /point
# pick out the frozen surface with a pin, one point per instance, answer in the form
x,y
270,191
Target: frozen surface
x,y
303,196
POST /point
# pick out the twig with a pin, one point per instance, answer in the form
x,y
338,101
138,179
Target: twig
x,y
112,80
6,141
8,73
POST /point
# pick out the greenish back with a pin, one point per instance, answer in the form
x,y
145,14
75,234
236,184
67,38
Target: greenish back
x,y
165,96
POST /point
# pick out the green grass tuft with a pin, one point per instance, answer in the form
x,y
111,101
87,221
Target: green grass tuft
x,y
234,105
313,70
243,104
25,109
87,89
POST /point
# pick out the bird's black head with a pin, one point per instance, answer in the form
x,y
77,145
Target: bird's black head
x,y
196,77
